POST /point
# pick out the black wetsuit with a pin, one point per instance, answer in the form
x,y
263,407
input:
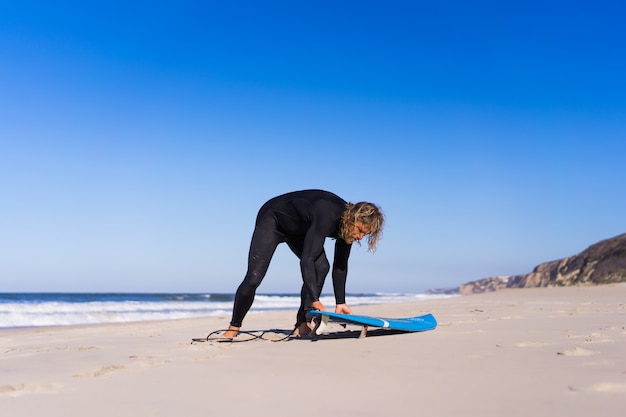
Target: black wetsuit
x,y
303,220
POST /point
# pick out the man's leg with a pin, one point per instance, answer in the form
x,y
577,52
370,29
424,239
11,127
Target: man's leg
x,y
265,239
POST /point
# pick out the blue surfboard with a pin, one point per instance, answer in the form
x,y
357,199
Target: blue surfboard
x,y
406,324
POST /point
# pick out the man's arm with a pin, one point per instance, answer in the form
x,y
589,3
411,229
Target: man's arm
x,y
313,246
340,270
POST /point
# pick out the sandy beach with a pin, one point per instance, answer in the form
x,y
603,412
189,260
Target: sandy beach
x,y
544,351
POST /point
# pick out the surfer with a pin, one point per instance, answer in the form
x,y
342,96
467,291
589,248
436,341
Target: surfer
x,y
303,220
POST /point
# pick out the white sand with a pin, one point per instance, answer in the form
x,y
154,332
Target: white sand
x,y
539,352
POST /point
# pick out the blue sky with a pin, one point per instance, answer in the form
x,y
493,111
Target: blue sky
x,y
139,139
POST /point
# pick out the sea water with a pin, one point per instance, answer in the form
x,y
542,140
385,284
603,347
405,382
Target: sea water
x,y
59,309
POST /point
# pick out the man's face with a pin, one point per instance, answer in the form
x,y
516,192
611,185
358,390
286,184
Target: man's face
x,y
359,230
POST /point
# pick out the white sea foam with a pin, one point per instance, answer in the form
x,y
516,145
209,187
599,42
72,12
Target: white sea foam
x,y
58,314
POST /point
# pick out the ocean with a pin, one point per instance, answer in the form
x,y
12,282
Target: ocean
x,y
63,309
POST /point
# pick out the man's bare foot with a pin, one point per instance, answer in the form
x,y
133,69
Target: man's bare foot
x,y
303,330
231,333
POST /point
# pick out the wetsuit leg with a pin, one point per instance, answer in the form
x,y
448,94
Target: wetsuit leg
x,y
322,266
265,239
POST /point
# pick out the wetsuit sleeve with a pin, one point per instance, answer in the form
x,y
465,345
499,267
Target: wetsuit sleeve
x,y
340,270
312,249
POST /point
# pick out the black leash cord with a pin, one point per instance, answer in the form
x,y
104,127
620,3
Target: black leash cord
x,y
252,336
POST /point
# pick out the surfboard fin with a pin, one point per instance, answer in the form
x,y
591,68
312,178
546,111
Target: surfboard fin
x,y
363,332
320,324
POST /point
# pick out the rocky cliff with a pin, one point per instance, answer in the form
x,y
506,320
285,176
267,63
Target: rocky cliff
x,y
601,263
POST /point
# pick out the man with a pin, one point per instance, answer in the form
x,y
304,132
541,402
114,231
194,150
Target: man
x,y
303,220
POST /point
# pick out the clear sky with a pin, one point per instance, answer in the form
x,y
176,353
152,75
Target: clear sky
x,y
139,139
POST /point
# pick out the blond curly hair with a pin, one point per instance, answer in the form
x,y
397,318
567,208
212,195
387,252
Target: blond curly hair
x,y
367,213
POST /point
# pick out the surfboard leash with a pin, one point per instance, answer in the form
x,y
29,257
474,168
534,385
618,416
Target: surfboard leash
x,y
258,335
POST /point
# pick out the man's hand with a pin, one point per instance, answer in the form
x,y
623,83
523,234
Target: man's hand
x,y
343,309
318,306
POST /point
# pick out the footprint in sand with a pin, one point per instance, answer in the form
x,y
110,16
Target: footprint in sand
x,y
140,357
100,372
593,338
21,389
532,344
577,351
607,387
615,329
